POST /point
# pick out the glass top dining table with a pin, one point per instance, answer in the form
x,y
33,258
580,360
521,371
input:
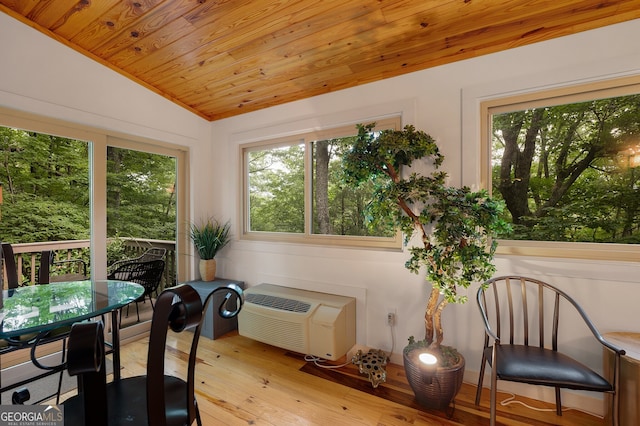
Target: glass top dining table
x,y
37,308
42,308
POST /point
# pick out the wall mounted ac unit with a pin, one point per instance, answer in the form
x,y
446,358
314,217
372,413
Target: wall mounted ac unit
x,y
302,321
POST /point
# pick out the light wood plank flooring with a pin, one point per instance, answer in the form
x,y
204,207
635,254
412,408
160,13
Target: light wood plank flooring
x,y
243,382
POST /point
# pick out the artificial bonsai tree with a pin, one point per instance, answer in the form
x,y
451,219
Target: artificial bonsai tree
x,y
454,226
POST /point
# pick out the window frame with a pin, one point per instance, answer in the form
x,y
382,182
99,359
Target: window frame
x,y
551,97
307,237
99,140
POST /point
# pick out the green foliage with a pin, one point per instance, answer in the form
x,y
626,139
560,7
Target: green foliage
x,y
383,153
140,194
116,250
454,225
569,172
345,203
30,220
209,237
45,181
460,249
45,187
277,189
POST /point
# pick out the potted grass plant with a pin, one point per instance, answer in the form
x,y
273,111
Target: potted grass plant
x,y
451,230
209,236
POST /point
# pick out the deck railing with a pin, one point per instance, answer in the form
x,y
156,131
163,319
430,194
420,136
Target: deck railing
x,y
28,254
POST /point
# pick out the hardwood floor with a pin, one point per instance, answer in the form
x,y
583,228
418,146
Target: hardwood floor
x,y
243,382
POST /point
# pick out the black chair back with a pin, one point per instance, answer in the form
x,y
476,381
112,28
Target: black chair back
x,y
10,265
67,270
185,314
12,268
154,399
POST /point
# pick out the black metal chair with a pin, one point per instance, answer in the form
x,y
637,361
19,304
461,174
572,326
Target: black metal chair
x,y
52,271
11,267
146,273
33,340
521,317
156,398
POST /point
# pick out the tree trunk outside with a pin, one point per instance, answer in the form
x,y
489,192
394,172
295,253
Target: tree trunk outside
x,y
321,183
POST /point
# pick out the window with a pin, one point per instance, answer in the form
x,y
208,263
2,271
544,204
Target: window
x,y
567,165
46,187
294,192
61,184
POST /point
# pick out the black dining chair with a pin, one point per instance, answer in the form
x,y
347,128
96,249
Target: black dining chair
x,y
156,398
521,317
11,267
52,270
31,341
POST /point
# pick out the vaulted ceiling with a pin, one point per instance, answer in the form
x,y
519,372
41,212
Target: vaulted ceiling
x,y
220,58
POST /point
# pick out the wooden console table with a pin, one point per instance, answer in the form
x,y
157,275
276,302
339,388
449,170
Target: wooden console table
x,y
214,325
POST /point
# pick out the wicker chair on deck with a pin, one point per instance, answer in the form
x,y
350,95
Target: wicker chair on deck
x,y
146,273
154,253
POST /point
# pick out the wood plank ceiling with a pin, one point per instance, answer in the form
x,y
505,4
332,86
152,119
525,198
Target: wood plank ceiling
x,y
221,58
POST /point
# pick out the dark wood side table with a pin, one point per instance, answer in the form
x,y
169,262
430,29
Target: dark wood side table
x,y
214,325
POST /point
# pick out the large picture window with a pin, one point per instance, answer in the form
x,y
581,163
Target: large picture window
x,y
294,191
567,166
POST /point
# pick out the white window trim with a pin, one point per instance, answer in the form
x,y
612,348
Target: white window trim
x,y
394,243
553,96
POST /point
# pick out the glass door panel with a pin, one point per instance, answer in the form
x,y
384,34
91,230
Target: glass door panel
x,y
141,221
45,201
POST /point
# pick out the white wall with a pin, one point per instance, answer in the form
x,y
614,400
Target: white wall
x,y
444,102
44,77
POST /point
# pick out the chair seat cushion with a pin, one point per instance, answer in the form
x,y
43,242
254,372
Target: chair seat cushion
x,y
127,403
541,366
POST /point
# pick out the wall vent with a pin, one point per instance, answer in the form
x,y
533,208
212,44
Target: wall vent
x,y
278,303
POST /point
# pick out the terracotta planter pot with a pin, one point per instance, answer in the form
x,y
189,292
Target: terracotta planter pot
x,y
443,387
207,269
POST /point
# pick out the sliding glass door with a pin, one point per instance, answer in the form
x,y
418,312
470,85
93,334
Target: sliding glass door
x,y
83,193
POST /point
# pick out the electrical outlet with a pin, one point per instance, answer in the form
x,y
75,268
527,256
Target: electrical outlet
x,y
391,319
